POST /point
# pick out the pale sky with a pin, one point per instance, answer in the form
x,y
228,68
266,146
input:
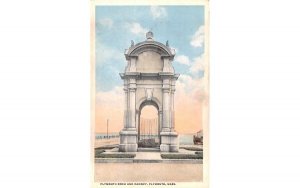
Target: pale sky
x,y
182,26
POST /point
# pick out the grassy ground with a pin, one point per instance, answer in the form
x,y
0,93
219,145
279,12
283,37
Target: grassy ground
x,y
115,155
191,148
98,152
106,147
101,149
181,156
199,153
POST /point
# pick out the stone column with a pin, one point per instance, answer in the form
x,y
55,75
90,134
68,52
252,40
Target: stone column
x,y
166,105
132,111
137,117
159,124
172,106
128,136
160,115
139,125
169,138
125,108
172,111
131,105
166,110
165,141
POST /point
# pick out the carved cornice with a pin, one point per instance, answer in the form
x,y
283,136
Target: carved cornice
x,y
158,47
132,89
166,90
140,75
127,75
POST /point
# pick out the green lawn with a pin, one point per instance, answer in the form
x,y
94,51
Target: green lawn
x,y
191,148
98,152
115,155
106,147
181,156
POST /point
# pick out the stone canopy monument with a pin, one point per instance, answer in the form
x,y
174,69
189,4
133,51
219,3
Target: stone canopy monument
x,y
149,79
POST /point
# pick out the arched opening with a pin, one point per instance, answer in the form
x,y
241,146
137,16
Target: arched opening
x,y
148,130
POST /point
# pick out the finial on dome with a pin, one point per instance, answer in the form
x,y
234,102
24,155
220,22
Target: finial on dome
x,y
149,35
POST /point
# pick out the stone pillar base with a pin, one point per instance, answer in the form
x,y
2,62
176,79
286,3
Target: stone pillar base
x,y
128,147
169,142
128,141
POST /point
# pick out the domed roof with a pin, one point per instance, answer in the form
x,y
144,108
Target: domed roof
x,y
149,45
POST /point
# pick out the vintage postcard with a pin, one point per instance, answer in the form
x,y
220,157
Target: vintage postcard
x,y
150,93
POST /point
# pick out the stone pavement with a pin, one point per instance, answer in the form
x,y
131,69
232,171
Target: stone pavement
x,y
144,155
147,157
148,172
148,167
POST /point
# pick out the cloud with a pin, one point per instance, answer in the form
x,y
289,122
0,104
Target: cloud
x,y
189,101
189,98
137,29
112,97
198,37
188,85
194,66
197,64
105,54
158,12
110,105
182,59
106,22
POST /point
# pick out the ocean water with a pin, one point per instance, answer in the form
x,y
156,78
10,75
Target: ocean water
x,y
183,138
186,139
103,135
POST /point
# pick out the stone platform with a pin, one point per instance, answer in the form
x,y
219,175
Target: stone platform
x,y
147,155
